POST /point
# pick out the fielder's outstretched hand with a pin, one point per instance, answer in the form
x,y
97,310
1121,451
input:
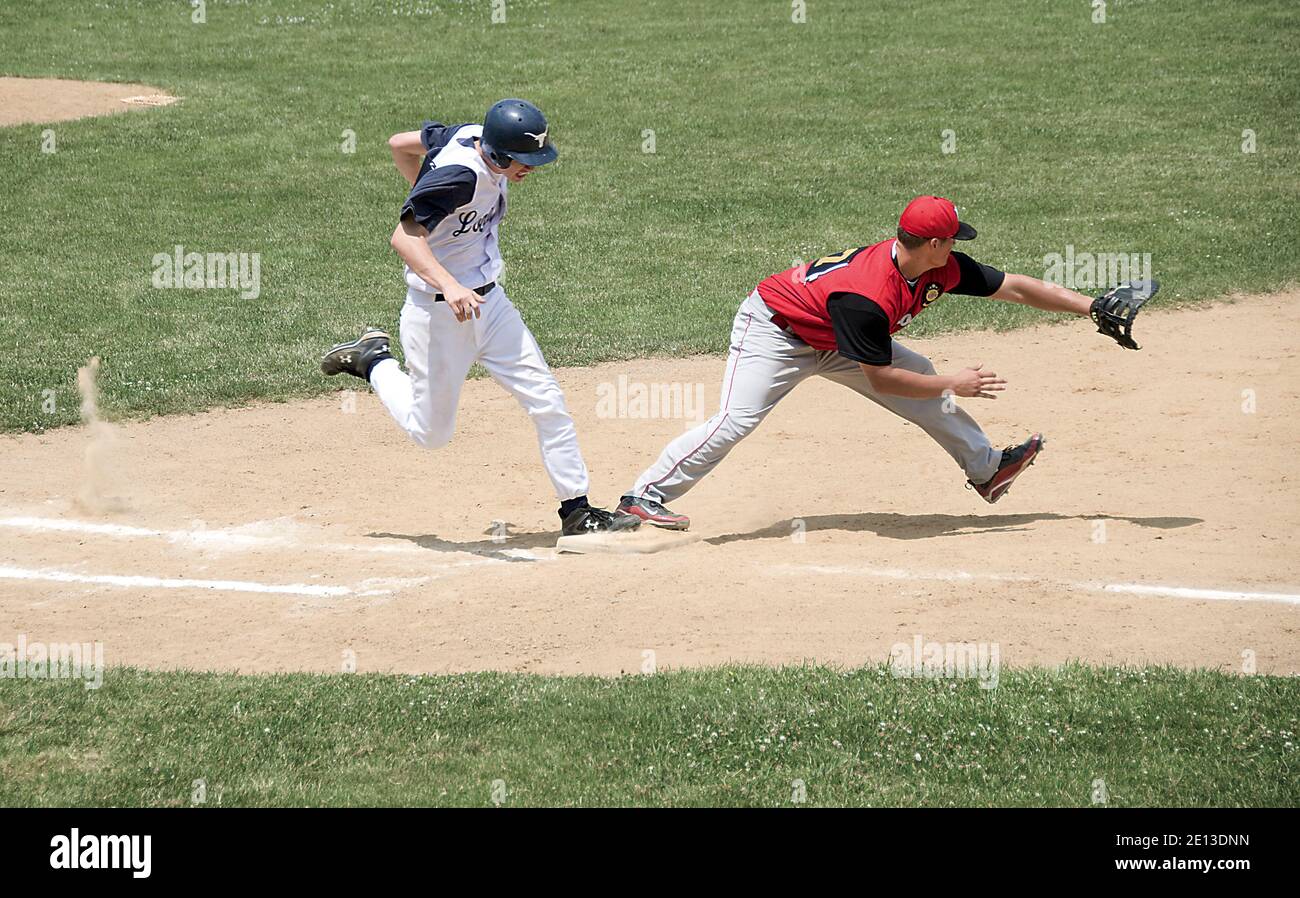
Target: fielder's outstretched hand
x,y
974,383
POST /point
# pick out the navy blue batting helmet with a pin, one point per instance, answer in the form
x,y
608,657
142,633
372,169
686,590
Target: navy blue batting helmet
x,y
516,129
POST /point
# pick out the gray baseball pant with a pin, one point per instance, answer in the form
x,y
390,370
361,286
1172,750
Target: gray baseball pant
x,y
764,365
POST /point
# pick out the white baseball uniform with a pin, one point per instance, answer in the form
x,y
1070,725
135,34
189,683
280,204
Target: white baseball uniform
x,y
461,201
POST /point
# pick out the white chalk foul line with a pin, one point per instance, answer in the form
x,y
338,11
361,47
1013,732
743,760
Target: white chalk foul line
x,y
229,540
294,589
58,525
1183,592
374,586
1141,589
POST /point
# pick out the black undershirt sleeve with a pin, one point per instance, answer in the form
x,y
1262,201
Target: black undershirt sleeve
x,y
435,135
861,329
438,193
976,279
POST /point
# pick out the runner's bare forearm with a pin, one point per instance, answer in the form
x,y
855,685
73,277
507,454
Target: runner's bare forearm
x,y
409,240
408,152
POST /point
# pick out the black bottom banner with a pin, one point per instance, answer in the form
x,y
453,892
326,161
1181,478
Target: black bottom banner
x,y
333,847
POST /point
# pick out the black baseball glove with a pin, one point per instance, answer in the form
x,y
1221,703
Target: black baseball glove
x,y
1113,312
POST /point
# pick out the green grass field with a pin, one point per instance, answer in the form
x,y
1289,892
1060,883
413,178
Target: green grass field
x,y
775,141
723,736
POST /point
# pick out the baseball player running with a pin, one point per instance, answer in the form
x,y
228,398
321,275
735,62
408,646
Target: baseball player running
x,y
835,318
455,312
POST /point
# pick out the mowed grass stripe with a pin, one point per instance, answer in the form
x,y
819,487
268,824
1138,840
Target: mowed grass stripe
x,y
721,736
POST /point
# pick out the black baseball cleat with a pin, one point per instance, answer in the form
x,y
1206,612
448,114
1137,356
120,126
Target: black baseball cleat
x,y
357,357
1014,460
589,519
652,512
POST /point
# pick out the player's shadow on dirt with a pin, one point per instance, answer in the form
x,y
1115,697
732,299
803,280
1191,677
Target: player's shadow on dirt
x,y
925,526
497,545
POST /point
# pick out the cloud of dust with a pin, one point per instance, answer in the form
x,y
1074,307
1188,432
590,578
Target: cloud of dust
x,y
98,471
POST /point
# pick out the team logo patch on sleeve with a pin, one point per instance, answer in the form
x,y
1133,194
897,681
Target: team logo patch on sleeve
x,y
932,292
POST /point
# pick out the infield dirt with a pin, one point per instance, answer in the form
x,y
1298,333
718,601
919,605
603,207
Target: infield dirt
x,y
832,533
41,100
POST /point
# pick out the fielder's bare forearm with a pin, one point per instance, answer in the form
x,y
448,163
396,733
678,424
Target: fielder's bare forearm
x,y
907,384
1041,295
409,239
408,153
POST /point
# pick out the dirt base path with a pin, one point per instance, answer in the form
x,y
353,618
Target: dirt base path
x,y
1158,526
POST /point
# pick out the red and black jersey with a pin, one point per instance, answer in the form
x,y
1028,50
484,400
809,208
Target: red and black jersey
x,y
852,301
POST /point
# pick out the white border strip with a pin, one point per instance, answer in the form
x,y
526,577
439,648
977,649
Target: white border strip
x,y
293,589
1141,589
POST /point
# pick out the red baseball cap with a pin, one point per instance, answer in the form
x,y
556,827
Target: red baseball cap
x,y
934,216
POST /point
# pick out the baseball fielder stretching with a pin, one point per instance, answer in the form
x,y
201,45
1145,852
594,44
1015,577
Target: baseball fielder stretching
x,y
455,312
836,317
